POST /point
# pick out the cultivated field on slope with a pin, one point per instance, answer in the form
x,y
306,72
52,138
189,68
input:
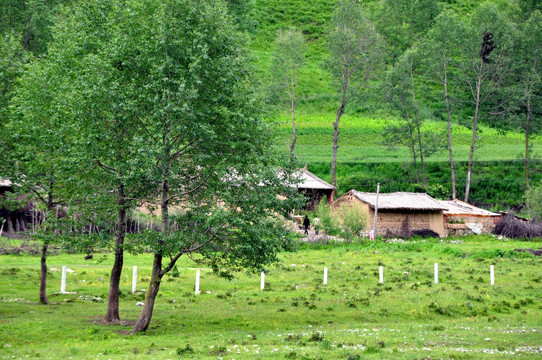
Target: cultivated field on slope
x,y
361,140
296,317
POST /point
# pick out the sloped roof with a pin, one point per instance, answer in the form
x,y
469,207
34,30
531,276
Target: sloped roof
x,y
458,207
400,200
311,181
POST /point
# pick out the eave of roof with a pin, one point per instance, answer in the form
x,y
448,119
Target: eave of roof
x,y
460,208
400,201
311,181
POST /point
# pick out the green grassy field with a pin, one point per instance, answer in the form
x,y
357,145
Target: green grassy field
x,y
297,317
361,140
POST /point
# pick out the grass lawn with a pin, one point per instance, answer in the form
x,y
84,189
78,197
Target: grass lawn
x,y
297,317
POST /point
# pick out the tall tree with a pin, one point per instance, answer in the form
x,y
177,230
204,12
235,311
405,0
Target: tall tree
x,y
486,66
30,20
400,80
287,58
209,146
529,72
99,108
162,95
355,53
403,22
38,138
440,57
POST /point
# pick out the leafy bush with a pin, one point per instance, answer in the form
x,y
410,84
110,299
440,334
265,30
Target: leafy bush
x,y
353,221
327,222
534,202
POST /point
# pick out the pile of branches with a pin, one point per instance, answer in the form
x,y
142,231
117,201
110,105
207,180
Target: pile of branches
x,y
513,228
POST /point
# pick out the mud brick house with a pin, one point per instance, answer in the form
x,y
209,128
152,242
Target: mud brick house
x,y
398,213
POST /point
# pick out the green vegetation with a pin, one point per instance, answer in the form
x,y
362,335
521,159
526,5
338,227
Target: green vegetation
x,y
296,317
362,158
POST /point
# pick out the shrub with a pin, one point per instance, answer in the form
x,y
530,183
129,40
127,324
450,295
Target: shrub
x,y
327,222
534,202
353,221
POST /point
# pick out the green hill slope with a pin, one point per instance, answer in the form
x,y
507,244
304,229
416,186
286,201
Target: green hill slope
x,y
498,178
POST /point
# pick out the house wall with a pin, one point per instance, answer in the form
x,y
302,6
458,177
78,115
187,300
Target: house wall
x,y
394,221
391,222
456,224
348,201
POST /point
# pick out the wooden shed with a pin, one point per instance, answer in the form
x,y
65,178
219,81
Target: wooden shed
x,y
461,218
398,212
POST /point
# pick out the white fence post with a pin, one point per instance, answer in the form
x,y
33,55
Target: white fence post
x,y
381,275
262,282
63,281
325,276
492,274
197,282
134,280
436,273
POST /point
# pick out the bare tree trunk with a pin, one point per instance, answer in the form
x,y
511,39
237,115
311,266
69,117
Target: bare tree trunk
x,y
144,319
417,123
292,111
43,260
527,130
43,278
474,129
340,112
142,323
421,154
112,315
413,149
449,129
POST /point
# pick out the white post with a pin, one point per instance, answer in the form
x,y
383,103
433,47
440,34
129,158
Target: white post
x,y
436,273
134,280
262,282
381,274
63,283
197,282
325,276
492,274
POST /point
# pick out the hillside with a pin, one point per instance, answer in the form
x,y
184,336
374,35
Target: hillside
x,y
498,176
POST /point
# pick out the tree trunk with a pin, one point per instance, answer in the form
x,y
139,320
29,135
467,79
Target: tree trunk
x,y
43,260
150,296
340,112
292,111
294,139
474,128
527,130
421,153
417,122
112,315
413,148
43,278
144,319
449,128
